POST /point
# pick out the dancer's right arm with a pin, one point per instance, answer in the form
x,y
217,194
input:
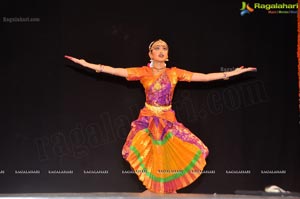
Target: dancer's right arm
x,y
122,72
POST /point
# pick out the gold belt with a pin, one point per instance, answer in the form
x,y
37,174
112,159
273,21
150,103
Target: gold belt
x,y
158,109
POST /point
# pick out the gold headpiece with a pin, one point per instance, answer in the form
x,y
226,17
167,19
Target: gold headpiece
x,y
151,44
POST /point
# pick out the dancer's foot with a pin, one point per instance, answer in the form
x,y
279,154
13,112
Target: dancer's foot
x,y
147,192
173,192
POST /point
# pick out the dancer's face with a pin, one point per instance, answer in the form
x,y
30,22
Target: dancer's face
x,y
159,51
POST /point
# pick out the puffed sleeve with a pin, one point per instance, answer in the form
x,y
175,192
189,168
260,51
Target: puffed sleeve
x,y
136,73
183,75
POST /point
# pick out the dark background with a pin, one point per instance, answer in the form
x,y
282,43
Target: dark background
x,y
56,115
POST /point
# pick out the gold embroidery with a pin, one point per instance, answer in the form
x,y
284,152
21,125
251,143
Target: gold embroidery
x,y
158,109
157,86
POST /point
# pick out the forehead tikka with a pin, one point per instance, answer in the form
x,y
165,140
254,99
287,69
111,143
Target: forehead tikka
x,y
151,44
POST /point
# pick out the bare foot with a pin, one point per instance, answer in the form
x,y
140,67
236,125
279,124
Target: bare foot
x,y
147,192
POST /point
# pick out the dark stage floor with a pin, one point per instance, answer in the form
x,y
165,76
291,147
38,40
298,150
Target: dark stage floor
x,y
121,195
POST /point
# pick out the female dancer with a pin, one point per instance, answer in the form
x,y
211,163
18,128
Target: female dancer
x,y
165,155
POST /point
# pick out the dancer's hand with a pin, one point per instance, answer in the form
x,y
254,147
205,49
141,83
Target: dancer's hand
x,y
242,69
122,72
77,61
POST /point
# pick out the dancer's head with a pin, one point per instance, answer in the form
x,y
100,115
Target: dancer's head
x,y
158,50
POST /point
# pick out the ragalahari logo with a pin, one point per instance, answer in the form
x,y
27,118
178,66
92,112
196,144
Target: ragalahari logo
x,y
246,9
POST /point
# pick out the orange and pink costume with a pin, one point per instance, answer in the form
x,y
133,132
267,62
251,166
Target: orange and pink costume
x,y
165,155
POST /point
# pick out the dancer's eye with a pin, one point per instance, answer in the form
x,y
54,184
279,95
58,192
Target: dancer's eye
x,y
158,47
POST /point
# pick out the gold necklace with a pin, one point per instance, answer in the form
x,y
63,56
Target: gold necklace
x,y
158,68
156,71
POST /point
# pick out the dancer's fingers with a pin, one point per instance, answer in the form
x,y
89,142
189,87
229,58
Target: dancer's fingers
x,y
70,57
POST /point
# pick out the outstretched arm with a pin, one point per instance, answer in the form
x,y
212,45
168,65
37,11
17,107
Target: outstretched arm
x,y
122,72
201,77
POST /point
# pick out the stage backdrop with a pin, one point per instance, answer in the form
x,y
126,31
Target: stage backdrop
x,y
63,126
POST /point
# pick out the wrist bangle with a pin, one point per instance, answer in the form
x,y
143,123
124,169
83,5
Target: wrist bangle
x,y
101,67
225,76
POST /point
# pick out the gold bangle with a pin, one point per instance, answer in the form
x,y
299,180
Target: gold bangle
x,y
225,76
101,67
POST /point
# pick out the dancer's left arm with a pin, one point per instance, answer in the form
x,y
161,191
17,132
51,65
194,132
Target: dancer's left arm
x,y
201,77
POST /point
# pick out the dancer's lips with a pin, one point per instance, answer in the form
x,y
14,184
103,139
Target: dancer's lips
x,y
161,55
